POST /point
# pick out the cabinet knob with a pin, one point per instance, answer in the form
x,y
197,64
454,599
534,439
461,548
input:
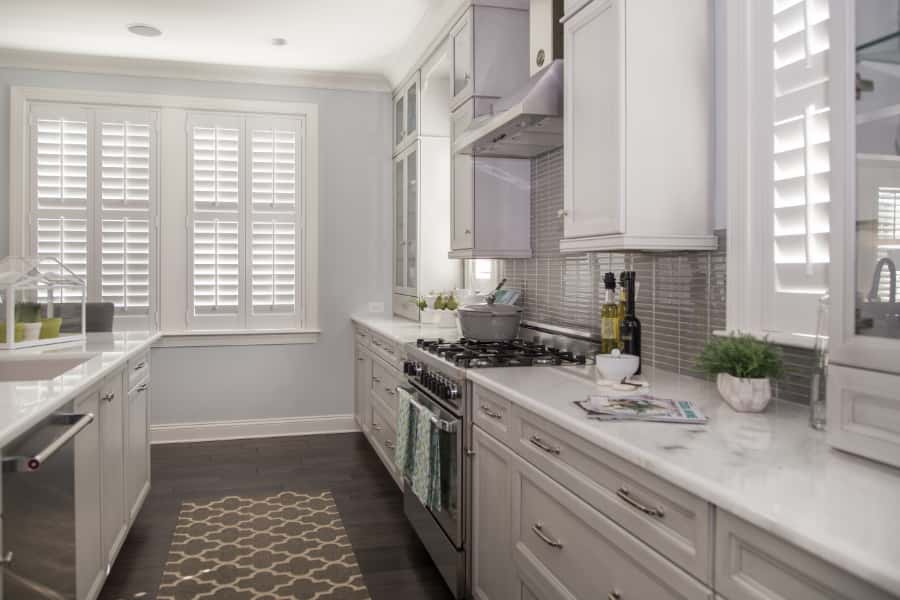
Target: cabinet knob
x,y
468,232
467,77
109,397
562,213
540,58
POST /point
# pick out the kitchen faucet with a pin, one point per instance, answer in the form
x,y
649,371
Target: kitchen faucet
x,y
876,278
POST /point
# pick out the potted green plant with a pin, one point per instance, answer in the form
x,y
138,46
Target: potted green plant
x,y
743,366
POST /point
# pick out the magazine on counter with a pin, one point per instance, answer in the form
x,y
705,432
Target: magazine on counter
x,y
641,407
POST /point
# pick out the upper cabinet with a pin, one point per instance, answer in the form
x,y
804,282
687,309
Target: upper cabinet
x,y
406,113
638,119
488,51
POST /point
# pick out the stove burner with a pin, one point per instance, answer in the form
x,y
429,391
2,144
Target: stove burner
x,y
515,353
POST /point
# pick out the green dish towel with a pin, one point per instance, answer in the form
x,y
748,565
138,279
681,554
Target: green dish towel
x,y
406,433
422,457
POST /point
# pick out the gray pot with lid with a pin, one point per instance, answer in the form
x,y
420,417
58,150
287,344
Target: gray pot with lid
x,y
490,322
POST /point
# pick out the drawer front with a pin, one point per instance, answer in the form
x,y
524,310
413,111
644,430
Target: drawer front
x,y
864,413
405,306
363,337
388,350
674,522
383,436
491,412
138,369
384,385
563,548
752,564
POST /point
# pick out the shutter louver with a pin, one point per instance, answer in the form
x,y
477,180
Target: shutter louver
x,y
216,284
274,266
888,237
125,264
61,164
216,154
801,138
273,178
125,165
65,239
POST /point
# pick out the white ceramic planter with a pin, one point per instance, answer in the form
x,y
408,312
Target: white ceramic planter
x,y
744,395
32,331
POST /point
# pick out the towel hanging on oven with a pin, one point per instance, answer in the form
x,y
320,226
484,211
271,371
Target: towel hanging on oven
x,y
417,452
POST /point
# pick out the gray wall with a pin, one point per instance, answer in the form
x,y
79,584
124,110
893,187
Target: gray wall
x,y
226,383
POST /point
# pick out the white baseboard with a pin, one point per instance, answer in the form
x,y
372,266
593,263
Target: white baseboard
x,y
250,428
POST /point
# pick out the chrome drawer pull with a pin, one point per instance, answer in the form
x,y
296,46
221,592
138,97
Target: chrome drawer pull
x,y
614,595
625,495
109,397
375,379
143,387
490,413
538,529
360,359
376,426
389,444
544,445
140,366
390,391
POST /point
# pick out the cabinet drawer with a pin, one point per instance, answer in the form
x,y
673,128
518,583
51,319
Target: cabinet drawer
x,y
491,412
565,549
674,522
383,436
363,337
388,350
405,306
138,369
384,385
864,413
751,564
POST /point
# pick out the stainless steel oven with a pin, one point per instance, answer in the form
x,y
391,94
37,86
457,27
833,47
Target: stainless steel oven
x,y
443,532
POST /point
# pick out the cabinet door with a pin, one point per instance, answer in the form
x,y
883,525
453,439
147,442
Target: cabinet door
x,y
412,108
463,208
399,119
363,379
594,120
90,562
493,575
399,229
137,466
112,465
411,241
462,83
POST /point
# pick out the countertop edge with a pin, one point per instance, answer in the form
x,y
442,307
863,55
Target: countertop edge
x,y
23,426
884,576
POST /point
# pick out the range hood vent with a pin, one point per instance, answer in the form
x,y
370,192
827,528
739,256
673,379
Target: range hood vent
x,y
523,125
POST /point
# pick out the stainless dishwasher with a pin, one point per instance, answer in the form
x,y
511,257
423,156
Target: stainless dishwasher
x,y
38,511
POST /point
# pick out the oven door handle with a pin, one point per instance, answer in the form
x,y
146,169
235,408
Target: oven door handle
x,y
445,425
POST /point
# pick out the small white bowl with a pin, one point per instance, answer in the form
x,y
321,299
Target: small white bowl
x,y
616,366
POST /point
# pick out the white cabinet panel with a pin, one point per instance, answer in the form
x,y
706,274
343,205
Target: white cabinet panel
x,y
463,202
137,448
112,465
90,568
407,101
493,576
363,380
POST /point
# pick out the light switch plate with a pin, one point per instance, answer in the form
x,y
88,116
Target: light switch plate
x,y
376,307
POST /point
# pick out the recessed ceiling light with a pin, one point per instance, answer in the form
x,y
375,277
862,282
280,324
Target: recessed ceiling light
x,y
144,30
279,42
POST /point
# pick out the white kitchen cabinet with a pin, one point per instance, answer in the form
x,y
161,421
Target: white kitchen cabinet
x,y
493,575
114,519
421,204
362,383
90,561
406,112
491,199
488,51
637,126
137,448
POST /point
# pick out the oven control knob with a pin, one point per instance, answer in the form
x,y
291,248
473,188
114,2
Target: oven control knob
x,y
408,367
452,392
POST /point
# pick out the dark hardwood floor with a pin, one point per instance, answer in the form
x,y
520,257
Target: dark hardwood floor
x,y
393,561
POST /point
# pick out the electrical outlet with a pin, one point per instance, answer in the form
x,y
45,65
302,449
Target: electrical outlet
x,y
376,307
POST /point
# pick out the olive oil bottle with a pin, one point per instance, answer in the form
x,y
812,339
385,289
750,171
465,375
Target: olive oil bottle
x,y
631,326
609,316
622,294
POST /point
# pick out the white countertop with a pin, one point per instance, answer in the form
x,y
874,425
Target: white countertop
x,y
770,469
24,404
403,330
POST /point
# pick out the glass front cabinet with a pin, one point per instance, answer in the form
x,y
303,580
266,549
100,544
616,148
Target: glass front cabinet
x,y
406,113
864,362
406,203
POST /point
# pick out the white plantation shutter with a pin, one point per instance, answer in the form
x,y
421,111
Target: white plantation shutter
x,y
888,243
273,235
800,165
216,279
65,239
127,190
216,156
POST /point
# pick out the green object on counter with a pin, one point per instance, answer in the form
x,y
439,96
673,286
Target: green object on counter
x,y
18,332
50,328
28,312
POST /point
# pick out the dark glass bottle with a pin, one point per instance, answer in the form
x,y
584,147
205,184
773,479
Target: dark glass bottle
x,y
631,326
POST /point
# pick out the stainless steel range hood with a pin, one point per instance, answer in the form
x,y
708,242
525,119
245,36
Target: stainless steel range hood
x,y
524,125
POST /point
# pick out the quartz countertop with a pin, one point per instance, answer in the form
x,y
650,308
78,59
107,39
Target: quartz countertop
x,y
770,469
403,330
23,404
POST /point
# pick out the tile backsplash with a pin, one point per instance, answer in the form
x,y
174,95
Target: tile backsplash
x,y
681,295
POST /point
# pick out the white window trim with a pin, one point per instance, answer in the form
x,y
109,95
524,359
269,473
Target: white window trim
x,y
749,273
20,99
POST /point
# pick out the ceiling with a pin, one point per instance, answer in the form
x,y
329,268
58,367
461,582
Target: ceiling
x,y
346,36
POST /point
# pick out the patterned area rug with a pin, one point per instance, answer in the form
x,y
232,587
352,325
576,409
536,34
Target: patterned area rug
x,y
288,546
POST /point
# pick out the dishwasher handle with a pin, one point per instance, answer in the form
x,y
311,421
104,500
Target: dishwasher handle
x,y
25,464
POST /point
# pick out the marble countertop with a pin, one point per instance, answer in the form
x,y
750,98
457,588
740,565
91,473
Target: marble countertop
x,y
770,469
403,330
23,404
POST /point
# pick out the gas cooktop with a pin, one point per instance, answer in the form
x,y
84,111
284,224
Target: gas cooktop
x,y
471,354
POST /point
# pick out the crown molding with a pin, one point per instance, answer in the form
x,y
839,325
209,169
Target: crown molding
x,y
171,69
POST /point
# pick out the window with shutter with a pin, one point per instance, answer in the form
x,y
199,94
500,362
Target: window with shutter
x,y
800,166
888,242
